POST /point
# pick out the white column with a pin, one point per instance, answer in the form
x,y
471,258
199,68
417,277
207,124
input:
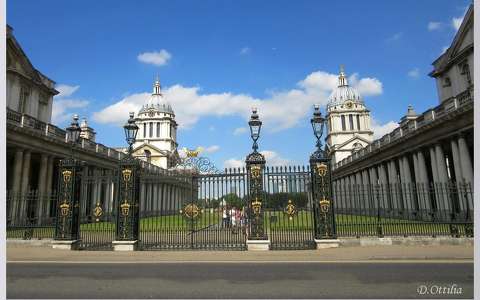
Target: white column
x,y
17,184
456,161
465,160
365,189
25,183
423,184
407,186
442,177
42,186
393,184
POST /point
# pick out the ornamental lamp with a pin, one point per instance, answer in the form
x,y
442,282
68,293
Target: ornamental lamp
x,y
255,126
317,122
131,130
73,132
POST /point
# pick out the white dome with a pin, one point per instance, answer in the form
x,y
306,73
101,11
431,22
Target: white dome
x,y
343,92
156,103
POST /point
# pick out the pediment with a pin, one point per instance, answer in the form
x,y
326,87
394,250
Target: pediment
x,y
19,61
350,142
140,150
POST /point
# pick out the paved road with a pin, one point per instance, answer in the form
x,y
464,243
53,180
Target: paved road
x,y
379,279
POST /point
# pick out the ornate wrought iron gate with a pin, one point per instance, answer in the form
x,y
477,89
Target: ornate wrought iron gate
x,y
289,214
193,211
97,214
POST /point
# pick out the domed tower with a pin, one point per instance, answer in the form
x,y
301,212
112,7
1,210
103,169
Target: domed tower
x,y
157,133
348,121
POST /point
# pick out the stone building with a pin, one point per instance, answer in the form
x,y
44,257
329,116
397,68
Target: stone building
x,y
348,121
434,147
157,135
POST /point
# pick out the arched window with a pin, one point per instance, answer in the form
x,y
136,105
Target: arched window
x,y
144,130
344,127
148,155
466,73
350,119
358,122
151,130
158,129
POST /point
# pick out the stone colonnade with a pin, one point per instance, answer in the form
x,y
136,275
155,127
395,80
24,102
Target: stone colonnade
x,y
416,180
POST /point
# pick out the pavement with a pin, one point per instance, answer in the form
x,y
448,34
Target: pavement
x,y
25,253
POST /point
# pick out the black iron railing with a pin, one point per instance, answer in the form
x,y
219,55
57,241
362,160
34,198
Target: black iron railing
x,y
31,215
404,209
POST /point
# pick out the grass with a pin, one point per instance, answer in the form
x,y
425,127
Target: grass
x,y
347,225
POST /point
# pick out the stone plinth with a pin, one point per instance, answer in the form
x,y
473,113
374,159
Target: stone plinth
x,y
258,245
65,245
125,245
327,243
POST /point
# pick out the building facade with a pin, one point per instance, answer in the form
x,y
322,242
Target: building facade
x,y
157,135
428,150
348,121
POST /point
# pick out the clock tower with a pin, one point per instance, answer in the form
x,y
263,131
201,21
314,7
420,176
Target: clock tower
x,y
348,121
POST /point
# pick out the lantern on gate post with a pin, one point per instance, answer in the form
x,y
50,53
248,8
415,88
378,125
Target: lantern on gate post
x,y
127,202
255,162
320,169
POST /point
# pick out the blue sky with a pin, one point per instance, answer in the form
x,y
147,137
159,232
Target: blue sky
x,y
221,57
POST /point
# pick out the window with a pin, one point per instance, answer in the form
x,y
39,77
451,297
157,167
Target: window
x,y
358,122
150,132
158,129
343,123
144,130
466,73
350,119
447,82
148,155
22,104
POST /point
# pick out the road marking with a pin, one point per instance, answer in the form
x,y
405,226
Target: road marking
x,y
389,261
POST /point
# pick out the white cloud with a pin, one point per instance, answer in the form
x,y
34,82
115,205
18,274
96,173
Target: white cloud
x,y
64,107
157,58
366,86
239,130
274,159
395,37
66,90
380,130
457,22
233,163
245,51
212,149
279,110
434,26
414,73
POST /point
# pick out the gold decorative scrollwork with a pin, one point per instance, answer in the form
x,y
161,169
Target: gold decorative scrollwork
x,y
64,209
127,175
67,176
324,205
290,210
321,169
191,211
125,208
255,171
257,206
97,212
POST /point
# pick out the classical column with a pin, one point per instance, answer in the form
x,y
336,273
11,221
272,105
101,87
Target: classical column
x,y
365,189
465,160
407,184
25,183
359,189
416,170
49,174
442,178
42,186
456,161
382,176
17,184
393,184
373,184
423,184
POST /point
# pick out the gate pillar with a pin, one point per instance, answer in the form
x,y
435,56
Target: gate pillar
x,y
127,229
324,209
67,224
257,237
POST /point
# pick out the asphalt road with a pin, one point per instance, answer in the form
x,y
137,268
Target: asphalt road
x,y
388,279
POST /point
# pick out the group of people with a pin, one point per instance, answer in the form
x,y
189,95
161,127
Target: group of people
x,y
232,217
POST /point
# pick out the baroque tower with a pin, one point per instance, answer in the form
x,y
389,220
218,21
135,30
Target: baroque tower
x,y
157,134
348,121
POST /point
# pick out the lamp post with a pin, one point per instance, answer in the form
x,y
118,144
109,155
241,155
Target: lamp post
x,y
131,130
320,167
255,162
73,134
128,202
